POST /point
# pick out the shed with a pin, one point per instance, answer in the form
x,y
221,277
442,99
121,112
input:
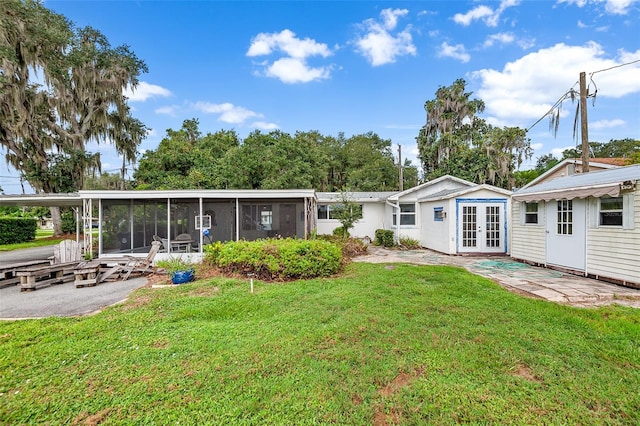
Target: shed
x,y
454,216
584,223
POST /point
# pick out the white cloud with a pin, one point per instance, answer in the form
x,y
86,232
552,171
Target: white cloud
x,y
145,91
296,70
286,42
379,45
606,124
167,110
262,125
228,112
456,52
292,67
390,17
502,38
489,16
525,89
613,7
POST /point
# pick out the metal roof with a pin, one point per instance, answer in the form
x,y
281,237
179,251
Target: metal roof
x,y
355,196
585,180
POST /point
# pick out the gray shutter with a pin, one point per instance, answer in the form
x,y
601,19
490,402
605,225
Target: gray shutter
x,y
628,211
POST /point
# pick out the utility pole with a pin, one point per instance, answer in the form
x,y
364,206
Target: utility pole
x,y
400,166
584,128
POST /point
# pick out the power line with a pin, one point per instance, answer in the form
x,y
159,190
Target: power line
x,y
567,94
615,66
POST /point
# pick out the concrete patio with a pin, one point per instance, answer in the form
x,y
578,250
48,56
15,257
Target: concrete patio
x,y
518,277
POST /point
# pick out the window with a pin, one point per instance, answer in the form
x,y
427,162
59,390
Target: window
x,y
565,217
530,212
438,214
327,211
611,211
323,211
407,214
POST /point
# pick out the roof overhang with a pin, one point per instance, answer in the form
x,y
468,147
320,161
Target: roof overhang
x,y
597,191
42,200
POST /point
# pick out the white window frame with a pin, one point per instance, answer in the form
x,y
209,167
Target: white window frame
x,y
526,213
405,214
619,212
330,207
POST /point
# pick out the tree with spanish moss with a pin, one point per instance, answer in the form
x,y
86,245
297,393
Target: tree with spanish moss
x,y
61,87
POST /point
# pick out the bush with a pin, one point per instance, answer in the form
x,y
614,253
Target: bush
x,y
17,230
350,247
384,238
68,222
409,243
341,232
276,259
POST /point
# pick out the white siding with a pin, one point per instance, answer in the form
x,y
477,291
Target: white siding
x,y
615,252
435,234
373,217
528,241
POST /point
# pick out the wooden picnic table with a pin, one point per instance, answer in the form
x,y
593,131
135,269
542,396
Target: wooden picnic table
x,y
8,275
34,277
95,271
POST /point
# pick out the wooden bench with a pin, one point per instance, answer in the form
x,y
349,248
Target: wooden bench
x,y
34,277
8,275
93,272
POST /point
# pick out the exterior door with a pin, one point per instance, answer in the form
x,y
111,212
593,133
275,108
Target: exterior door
x,y
287,220
566,242
481,228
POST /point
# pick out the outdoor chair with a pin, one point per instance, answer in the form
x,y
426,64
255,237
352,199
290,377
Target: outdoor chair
x,y
140,266
66,251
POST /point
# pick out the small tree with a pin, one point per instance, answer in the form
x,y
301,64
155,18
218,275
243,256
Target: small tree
x,y
347,212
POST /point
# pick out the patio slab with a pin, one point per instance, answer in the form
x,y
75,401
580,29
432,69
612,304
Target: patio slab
x,y
516,276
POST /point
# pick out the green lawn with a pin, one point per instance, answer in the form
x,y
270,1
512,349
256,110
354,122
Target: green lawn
x,y
408,345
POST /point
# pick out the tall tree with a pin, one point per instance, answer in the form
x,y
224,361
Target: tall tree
x,y
456,141
449,126
60,88
616,148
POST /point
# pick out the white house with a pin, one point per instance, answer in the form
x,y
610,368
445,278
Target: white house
x,y
447,214
376,212
587,223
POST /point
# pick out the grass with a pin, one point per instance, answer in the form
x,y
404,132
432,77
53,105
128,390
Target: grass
x,y
44,237
378,345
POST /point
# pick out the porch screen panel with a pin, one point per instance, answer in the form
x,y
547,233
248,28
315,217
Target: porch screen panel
x,y
469,226
116,226
492,223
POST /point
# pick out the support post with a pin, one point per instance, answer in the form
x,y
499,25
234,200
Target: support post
x,y
584,128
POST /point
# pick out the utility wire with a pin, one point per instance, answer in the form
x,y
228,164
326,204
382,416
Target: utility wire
x,y
615,66
564,96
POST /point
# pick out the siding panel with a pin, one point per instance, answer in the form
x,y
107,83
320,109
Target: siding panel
x,y
528,241
615,252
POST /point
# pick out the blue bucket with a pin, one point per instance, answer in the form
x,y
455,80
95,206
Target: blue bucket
x,y
182,277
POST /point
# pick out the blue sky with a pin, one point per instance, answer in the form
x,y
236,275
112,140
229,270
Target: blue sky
x,y
359,66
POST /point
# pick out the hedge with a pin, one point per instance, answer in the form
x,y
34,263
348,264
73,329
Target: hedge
x,y
276,259
384,238
17,230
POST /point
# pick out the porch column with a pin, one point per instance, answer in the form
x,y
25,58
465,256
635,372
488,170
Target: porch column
x,y
237,219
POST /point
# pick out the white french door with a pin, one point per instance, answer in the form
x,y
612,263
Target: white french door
x,y
481,228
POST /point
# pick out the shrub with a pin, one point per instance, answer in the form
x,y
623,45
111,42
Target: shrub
x,y
384,238
68,222
276,259
409,243
17,230
350,247
340,231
